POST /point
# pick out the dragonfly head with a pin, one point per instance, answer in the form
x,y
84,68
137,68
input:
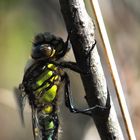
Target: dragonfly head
x,y
47,46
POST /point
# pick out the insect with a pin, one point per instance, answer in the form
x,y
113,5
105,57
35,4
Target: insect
x,y
42,81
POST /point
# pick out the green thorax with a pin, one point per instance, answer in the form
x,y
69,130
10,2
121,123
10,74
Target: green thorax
x,y
50,74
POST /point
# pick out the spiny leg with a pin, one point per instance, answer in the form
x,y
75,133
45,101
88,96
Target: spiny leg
x,y
87,111
73,65
70,65
65,48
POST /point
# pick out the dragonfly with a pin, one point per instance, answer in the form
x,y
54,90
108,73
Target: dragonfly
x,y
42,81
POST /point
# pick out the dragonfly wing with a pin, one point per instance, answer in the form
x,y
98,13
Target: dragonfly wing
x,y
21,100
36,127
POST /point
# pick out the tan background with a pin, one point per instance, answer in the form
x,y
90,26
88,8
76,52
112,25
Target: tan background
x,y
21,20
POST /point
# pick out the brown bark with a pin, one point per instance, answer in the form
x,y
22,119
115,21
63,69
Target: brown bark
x,y
82,37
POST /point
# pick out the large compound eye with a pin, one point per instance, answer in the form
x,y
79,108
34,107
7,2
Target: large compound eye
x,y
47,50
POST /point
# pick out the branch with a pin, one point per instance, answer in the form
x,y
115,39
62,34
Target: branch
x,y
81,30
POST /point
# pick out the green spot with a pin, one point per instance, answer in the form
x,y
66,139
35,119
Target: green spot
x,y
52,66
44,77
50,94
51,125
50,138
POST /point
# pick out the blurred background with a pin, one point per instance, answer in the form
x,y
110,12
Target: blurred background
x,y
21,20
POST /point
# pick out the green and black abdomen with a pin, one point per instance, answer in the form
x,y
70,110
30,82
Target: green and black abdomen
x,y
43,97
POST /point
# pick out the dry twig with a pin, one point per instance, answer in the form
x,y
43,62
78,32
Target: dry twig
x,y
81,28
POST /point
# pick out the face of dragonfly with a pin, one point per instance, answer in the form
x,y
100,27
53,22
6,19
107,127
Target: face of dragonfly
x,y
48,46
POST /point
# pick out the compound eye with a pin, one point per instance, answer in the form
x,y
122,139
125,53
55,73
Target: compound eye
x,y
47,50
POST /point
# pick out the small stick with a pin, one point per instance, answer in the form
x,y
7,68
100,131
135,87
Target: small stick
x,y
113,69
83,39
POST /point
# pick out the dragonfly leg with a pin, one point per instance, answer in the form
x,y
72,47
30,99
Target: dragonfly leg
x,y
87,111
